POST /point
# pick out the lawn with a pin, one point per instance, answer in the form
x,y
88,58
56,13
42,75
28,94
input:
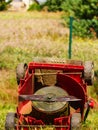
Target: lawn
x,y
25,35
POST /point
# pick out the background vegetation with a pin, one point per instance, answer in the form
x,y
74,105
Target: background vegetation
x,y
4,5
24,35
85,13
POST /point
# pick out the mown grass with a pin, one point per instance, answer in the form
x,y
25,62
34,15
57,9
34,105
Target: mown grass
x,y
25,35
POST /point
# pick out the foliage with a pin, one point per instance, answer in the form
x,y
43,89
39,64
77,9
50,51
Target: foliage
x,y
88,9
85,28
69,6
4,5
35,6
54,5
85,13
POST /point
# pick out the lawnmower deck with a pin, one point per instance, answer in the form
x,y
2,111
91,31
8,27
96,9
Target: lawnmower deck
x,y
51,94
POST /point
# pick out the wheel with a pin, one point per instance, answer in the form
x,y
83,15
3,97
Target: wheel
x,y
10,121
89,72
20,71
76,121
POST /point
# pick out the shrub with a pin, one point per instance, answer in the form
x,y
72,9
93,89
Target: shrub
x,y
4,5
86,11
85,28
35,6
53,5
69,6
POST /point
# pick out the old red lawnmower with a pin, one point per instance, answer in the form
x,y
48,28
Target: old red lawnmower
x,y
51,94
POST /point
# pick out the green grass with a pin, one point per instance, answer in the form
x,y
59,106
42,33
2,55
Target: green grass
x,y
4,109
92,121
25,35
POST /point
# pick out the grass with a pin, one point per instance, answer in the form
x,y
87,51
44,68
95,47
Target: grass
x,y
92,121
24,35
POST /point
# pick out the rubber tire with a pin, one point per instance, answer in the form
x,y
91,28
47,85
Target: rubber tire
x,y
76,121
10,121
89,72
20,71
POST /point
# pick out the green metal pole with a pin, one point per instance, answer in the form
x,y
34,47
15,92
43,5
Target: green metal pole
x,y
70,39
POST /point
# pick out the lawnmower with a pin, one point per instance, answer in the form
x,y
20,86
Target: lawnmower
x,y
52,94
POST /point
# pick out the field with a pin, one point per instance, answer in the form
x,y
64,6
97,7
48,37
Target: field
x,y
25,35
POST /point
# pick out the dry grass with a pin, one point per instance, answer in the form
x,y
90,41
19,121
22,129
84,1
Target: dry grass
x,y
7,87
42,34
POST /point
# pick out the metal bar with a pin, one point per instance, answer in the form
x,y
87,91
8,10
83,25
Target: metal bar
x,y
34,65
42,126
70,38
38,74
43,98
86,114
